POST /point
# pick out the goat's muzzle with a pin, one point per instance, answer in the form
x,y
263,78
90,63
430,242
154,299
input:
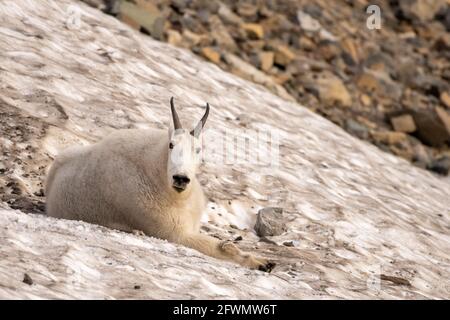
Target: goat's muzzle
x,y
180,182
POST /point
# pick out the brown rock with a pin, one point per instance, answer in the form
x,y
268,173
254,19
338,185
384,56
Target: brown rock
x,y
229,16
389,137
284,55
145,14
266,59
445,99
130,21
444,117
331,90
191,39
378,82
350,48
281,79
432,127
422,10
211,54
247,10
247,71
329,50
403,123
174,37
305,43
221,35
365,100
253,30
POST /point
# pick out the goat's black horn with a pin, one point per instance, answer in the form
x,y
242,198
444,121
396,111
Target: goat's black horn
x,y
176,120
201,123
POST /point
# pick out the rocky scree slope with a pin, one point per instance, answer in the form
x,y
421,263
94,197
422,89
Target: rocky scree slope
x,y
360,223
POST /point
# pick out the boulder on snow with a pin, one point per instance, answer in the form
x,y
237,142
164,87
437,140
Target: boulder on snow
x,y
269,222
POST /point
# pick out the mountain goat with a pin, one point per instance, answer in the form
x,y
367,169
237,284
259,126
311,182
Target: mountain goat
x,y
141,179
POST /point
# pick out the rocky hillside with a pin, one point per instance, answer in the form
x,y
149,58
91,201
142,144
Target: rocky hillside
x,y
359,222
389,86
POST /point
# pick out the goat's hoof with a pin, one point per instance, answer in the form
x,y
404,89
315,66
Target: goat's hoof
x,y
138,232
267,267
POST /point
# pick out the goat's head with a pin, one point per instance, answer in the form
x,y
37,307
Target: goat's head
x,y
184,150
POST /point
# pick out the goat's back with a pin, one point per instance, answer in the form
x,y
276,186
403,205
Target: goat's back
x,y
95,183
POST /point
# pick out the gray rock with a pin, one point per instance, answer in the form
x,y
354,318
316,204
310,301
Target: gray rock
x,y
356,128
269,222
440,165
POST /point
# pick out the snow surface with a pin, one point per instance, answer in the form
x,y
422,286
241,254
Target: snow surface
x,y
354,212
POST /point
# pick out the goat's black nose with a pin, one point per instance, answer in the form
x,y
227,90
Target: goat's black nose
x,y
180,180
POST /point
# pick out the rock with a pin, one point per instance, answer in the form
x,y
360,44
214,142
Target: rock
x,y
247,71
379,83
229,16
253,30
291,243
244,119
403,123
442,43
357,129
445,99
431,127
266,59
145,14
421,10
283,55
180,5
446,19
190,21
420,156
327,35
130,21
331,90
247,10
440,165
329,49
191,39
365,100
307,22
444,117
269,222
211,54
305,43
221,35
174,37
350,51
429,84
389,137
27,279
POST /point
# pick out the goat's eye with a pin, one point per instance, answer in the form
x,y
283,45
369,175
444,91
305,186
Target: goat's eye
x,y
198,150
171,145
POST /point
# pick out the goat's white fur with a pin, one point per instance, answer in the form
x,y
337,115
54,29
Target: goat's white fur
x,y
125,182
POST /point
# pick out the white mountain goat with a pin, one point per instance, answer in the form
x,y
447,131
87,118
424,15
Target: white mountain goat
x,y
144,180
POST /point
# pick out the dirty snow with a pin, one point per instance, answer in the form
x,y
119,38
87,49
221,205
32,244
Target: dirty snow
x,y
353,211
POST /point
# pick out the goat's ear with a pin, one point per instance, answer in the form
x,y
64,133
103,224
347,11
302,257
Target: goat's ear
x,y
199,127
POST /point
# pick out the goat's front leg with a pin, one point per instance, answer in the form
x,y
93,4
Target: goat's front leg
x,y
225,250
